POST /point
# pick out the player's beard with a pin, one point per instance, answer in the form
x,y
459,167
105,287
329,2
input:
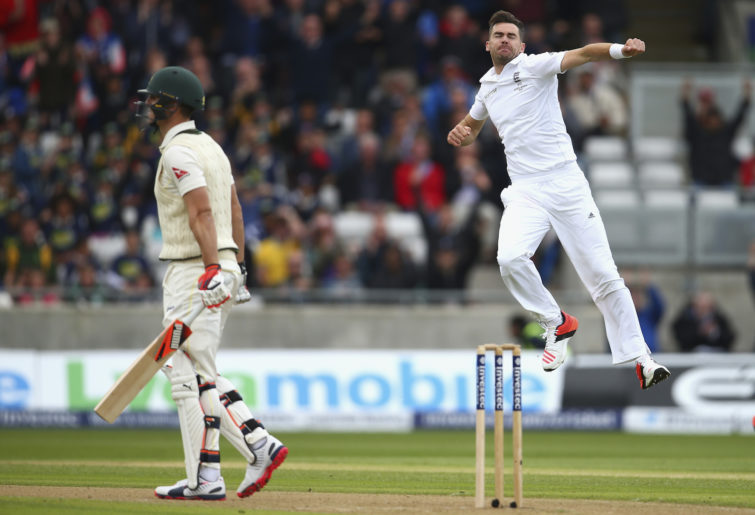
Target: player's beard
x,y
503,60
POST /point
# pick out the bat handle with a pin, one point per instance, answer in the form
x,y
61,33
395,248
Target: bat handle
x,y
194,313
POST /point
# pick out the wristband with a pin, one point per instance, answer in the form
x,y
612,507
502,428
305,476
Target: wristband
x,y
615,51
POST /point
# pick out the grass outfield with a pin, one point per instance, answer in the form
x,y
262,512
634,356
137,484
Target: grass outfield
x,y
707,471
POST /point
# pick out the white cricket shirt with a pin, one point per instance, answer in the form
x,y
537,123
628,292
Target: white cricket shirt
x,y
522,102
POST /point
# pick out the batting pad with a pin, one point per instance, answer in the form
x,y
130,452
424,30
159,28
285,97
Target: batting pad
x,y
191,420
237,424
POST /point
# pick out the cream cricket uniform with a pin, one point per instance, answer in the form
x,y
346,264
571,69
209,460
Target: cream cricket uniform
x,y
549,190
190,160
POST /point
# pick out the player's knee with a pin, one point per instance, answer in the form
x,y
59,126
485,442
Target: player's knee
x,y
606,287
510,260
224,384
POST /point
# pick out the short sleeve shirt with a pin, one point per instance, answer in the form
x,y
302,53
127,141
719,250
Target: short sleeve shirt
x,y
522,102
182,163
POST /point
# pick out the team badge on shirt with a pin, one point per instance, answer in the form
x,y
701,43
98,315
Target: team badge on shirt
x,y
180,174
518,82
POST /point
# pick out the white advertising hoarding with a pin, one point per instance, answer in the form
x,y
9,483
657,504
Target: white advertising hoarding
x,y
283,381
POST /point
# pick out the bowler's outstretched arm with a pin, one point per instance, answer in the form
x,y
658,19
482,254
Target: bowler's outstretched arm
x,y
600,52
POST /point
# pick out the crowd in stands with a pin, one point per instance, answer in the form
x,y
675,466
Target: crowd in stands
x,y
322,106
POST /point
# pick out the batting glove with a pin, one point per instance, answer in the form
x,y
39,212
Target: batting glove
x,y
242,294
212,289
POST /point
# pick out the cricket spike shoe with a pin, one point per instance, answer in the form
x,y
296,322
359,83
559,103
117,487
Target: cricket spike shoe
x,y
556,339
270,453
205,491
651,373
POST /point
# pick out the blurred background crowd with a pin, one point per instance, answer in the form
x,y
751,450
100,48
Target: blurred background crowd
x,y
325,108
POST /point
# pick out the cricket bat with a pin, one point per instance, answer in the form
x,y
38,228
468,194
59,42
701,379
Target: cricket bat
x,y
138,374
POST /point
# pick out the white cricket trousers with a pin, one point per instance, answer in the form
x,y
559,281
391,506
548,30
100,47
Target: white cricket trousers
x,y
562,200
180,294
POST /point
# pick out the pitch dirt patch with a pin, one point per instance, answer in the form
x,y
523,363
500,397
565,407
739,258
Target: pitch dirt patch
x,y
358,504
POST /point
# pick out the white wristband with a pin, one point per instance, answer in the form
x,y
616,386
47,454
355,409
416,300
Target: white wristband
x,y
615,51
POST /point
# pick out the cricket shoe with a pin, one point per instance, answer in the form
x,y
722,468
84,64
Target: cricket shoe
x,y
205,491
651,373
270,454
556,339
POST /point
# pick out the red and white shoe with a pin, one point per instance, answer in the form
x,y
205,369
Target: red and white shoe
x,y
556,339
651,373
270,455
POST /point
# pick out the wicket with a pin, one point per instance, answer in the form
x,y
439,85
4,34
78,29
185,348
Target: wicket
x,y
516,427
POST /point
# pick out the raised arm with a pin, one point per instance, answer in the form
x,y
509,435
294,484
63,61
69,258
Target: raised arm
x,y
601,52
465,132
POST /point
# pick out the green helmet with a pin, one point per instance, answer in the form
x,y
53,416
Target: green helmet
x,y
178,84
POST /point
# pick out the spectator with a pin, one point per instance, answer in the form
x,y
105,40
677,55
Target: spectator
x,y
367,183
66,228
130,272
347,144
35,289
437,103
400,38
394,269
360,37
272,255
527,332
103,57
650,306
381,262
459,38
599,108
452,248
322,248
19,27
419,168
312,56
28,156
26,255
701,326
343,282
54,71
709,136
85,285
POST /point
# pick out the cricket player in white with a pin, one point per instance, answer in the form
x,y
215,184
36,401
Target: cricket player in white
x,y
519,95
203,238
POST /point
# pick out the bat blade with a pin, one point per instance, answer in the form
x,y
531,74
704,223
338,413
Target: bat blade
x,y
139,373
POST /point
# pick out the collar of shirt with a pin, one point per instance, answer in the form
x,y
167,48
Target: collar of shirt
x,y
175,130
492,76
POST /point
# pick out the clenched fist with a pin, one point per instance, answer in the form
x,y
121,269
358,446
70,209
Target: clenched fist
x,y
458,134
633,47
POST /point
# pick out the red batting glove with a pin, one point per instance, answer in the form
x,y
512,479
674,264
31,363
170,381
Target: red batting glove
x,y
212,289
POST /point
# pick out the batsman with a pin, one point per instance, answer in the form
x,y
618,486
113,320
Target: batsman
x,y
203,240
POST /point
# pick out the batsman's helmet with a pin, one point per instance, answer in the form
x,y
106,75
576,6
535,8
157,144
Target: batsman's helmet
x,y
173,84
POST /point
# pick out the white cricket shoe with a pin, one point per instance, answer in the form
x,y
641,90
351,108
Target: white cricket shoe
x,y
651,373
270,454
206,491
556,339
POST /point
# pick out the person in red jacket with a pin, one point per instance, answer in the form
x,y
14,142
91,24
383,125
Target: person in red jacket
x,y
420,168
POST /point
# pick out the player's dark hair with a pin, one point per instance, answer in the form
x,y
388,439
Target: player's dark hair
x,y
505,17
